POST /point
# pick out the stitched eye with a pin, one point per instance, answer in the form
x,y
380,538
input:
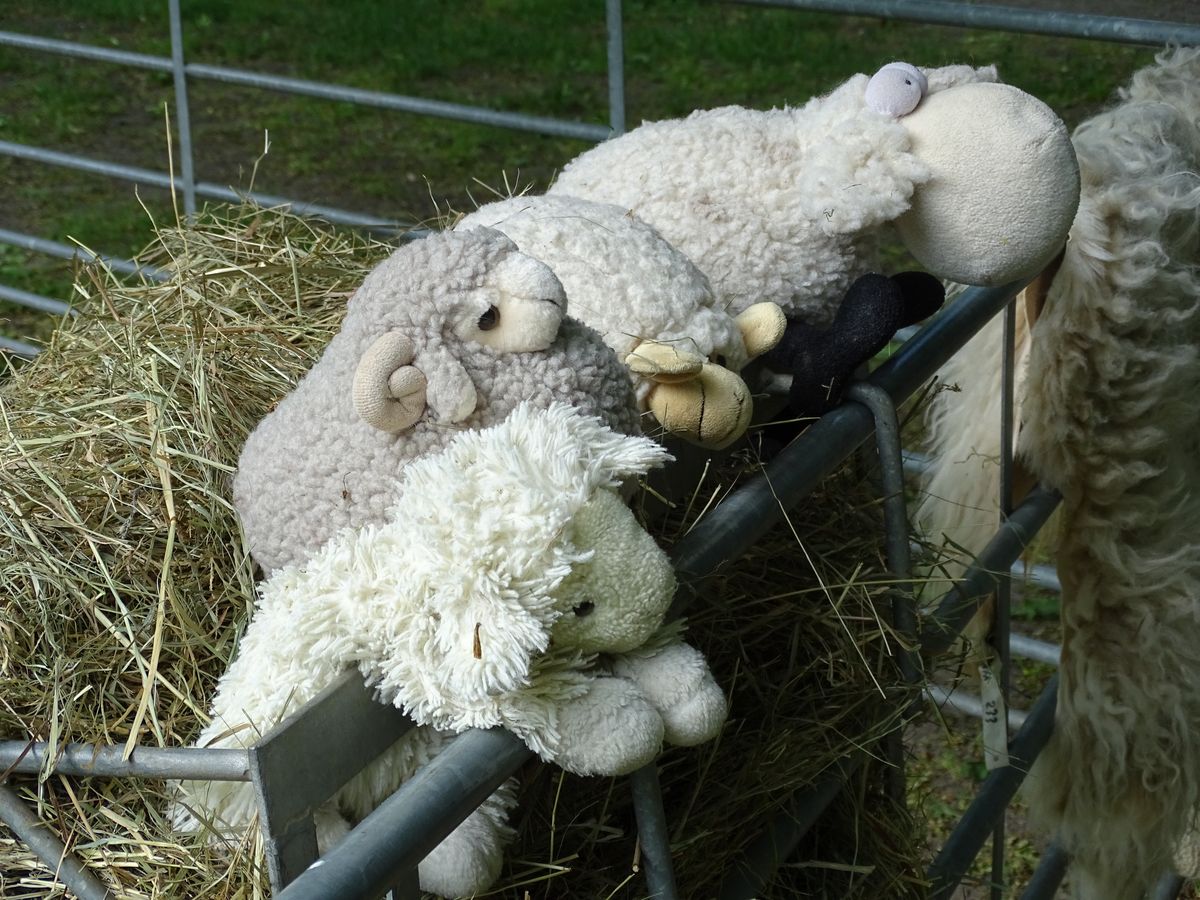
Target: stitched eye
x,y
489,319
585,608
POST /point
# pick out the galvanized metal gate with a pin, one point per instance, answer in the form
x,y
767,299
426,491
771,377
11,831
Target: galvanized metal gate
x,y
308,757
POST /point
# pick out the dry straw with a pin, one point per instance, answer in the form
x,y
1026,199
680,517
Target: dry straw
x,y
126,583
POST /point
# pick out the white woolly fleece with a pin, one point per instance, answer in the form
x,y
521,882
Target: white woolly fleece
x,y
1109,417
779,205
452,608
1112,420
313,466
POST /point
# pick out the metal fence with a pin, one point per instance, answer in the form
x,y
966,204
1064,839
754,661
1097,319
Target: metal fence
x,y
341,731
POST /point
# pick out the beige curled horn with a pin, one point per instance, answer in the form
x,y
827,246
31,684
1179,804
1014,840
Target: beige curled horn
x,y
388,392
762,326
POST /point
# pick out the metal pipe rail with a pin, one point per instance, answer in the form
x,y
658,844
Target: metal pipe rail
x,y
1116,29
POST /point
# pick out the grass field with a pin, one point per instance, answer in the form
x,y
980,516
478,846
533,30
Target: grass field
x,y
535,56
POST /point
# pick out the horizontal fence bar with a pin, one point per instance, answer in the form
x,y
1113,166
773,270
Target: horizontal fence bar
x,y
18,348
996,792
208,764
476,115
1005,18
959,701
1037,650
45,844
74,251
413,820
33,301
163,180
84,51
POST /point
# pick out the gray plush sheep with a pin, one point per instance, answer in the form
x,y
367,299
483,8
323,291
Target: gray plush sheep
x,y
450,332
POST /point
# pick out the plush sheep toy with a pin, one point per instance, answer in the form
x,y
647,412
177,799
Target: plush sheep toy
x,y
788,205
450,332
651,305
507,564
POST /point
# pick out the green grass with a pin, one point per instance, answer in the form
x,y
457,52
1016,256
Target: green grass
x,y
535,56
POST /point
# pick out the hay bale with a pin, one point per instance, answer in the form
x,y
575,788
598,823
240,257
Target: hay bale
x,y
129,583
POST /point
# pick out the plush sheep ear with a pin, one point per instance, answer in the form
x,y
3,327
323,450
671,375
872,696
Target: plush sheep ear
x,y
664,363
762,326
388,393
483,642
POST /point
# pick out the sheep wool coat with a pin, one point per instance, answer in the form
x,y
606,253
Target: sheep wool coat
x,y
776,205
1109,416
313,466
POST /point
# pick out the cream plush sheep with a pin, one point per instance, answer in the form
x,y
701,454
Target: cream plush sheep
x,y
483,598
786,205
651,305
449,333
1109,417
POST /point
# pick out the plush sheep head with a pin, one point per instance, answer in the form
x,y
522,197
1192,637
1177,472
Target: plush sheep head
x,y
516,308
701,398
996,182
449,333
525,557
652,306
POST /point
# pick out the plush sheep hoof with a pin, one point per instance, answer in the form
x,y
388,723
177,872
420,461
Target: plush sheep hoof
x,y
698,718
463,865
610,730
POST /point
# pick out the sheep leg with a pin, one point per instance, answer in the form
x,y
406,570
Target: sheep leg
x,y
677,682
468,861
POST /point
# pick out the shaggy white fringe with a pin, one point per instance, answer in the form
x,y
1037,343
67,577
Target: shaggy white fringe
x,y
1111,417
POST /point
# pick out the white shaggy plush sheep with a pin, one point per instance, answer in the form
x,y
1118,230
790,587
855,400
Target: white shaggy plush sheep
x,y
786,204
650,304
450,332
1110,418
508,563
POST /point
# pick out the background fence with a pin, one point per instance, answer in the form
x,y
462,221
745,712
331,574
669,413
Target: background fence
x,y
384,852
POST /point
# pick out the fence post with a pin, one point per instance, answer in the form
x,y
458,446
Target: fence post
x,y
182,117
616,67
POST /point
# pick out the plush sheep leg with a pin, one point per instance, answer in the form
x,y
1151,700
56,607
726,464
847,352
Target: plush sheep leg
x,y
677,682
468,861
610,730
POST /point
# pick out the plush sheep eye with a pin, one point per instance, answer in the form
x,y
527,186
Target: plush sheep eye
x,y
585,608
489,319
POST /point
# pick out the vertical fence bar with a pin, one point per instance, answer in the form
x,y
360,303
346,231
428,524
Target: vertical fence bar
x,y
1048,875
1001,621
183,120
652,833
616,66
49,849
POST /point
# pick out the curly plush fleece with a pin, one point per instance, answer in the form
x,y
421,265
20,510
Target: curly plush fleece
x,y
313,466
621,276
447,607
771,205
